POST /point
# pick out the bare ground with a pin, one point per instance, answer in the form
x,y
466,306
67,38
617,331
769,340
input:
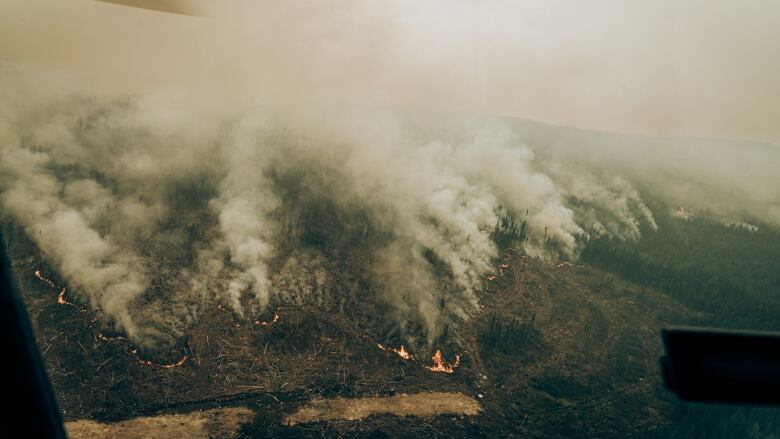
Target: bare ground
x,y
418,404
194,425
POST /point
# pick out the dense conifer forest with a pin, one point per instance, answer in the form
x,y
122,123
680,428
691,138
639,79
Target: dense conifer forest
x,y
730,272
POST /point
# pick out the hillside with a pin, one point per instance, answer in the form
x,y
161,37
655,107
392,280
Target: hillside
x,y
557,349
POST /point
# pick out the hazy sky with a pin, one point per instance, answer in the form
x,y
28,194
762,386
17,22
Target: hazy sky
x,y
669,67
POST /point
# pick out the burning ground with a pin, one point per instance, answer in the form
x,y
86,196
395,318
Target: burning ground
x,y
176,260
156,212
555,349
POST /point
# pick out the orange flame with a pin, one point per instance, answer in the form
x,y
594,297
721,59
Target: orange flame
x,y
401,352
109,338
439,365
63,301
43,279
274,320
176,364
60,297
165,366
133,350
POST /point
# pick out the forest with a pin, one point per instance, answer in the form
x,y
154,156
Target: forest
x,y
730,272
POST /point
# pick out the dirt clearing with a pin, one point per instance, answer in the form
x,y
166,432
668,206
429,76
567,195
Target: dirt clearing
x,y
196,425
419,404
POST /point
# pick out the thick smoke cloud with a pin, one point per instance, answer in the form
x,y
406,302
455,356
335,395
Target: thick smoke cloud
x,y
243,207
154,209
733,179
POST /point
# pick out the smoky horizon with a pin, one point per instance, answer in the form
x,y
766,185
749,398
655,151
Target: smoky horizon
x,y
685,69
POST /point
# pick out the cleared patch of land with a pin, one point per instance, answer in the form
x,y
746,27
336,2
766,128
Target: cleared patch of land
x,y
418,404
195,425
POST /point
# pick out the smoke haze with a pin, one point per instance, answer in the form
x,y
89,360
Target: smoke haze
x,y
688,68
241,176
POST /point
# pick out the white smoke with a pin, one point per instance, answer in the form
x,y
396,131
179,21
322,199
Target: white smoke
x,y
111,276
243,206
154,209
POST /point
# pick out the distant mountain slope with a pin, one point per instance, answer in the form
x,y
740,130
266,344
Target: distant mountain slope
x,y
731,271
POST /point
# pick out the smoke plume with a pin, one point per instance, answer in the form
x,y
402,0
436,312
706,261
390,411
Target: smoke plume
x,y
154,209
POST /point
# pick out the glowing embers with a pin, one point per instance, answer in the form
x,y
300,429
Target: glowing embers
x,y
274,319
165,366
176,364
439,365
107,338
40,277
401,352
501,269
61,296
134,351
268,323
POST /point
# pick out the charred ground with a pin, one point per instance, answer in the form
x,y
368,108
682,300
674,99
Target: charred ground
x,y
557,349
